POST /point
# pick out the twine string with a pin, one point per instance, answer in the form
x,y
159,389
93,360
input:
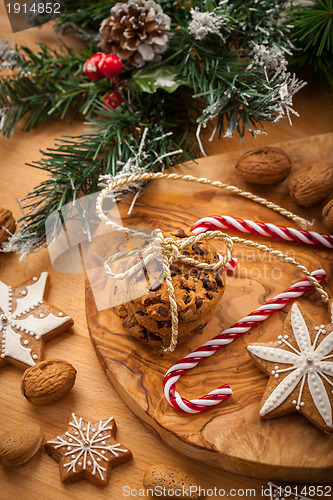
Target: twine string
x,y
171,250
303,223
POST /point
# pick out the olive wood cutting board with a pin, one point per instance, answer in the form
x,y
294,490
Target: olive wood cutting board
x,y
230,435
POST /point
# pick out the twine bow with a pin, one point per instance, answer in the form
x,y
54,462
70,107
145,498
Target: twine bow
x,y
169,250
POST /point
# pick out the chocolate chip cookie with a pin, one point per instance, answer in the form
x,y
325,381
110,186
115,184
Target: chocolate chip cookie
x,y
197,292
161,337
163,328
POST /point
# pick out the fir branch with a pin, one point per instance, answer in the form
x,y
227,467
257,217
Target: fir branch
x,y
236,73
312,35
83,18
51,85
8,55
76,163
47,85
239,93
261,22
313,26
224,71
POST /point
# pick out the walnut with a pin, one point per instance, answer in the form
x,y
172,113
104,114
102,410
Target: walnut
x,y
328,215
264,165
311,183
7,223
48,381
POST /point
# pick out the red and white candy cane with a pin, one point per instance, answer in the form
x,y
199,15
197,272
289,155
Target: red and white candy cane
x,y
231,265
219,222
222,339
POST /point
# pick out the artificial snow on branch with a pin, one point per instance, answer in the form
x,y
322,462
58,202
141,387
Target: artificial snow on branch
x,y
206,23
8,55
217,64
269,58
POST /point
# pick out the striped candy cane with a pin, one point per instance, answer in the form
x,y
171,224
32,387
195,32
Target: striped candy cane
x,y
231,265
219,222
222,339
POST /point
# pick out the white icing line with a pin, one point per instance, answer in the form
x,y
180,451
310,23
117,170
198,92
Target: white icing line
x,y
320,398
300,329
34,295
281,392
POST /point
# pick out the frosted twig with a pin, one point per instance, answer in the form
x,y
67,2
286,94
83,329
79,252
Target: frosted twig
x,y
197,135
284,97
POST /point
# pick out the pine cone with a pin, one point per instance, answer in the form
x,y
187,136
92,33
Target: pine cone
x,y
135,32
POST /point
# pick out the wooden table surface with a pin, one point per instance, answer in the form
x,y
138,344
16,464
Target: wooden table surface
x,y
93,396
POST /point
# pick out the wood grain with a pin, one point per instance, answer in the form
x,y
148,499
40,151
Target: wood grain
x,y
93,396
231,435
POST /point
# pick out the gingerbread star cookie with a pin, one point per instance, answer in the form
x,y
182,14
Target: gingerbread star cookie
x,y
88,450
300,365
26,321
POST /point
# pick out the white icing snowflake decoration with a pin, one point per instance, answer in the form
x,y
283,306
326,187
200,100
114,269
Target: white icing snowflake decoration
x,y
85,447
25,319
310,365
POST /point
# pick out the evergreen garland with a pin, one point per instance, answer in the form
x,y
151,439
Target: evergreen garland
x,y
82,17
47,85
225,67
312,35
118,141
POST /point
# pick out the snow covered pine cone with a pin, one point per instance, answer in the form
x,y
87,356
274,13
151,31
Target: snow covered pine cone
x,y
135,32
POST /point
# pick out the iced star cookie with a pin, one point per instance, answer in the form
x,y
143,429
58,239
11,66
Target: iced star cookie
x,y
26,321
300,365
88,450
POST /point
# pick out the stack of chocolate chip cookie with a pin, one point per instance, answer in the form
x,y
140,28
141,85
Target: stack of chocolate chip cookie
x,y
197,292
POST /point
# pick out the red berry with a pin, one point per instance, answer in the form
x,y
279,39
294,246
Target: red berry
x,y
110,65
112,100
91,68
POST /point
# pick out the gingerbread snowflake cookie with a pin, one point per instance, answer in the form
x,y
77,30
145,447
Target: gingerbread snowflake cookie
x,y
26,321
88,450
300,365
